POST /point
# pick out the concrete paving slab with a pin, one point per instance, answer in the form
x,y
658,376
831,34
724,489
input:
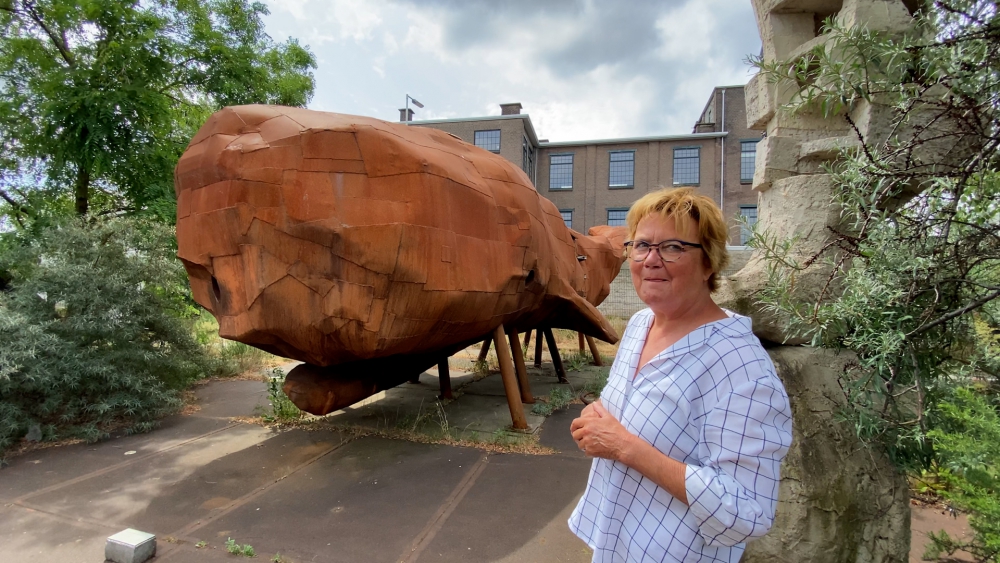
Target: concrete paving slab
x,y
221,484
516,511
39,537
473,416
491,385
366,501
555,433
186,552
118,496
541,380
33,471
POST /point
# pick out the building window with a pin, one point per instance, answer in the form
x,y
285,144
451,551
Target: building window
x,y
748,213
616,216
687,164
748,160
567,215
489,140
561,172
527,157
622,169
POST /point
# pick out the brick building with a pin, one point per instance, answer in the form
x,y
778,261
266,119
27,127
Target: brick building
x,y
593,182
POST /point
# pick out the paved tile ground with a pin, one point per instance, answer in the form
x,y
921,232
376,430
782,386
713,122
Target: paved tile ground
x,y
311,494
319,493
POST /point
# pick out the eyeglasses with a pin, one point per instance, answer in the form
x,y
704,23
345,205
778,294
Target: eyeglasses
x,y
668,250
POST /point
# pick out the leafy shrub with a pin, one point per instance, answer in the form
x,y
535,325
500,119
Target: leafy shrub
x,y
967,437
92,320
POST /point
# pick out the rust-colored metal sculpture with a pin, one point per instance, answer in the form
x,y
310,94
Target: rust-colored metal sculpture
x,y
372,250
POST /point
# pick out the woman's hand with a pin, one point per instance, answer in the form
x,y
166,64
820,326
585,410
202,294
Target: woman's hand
x,y
589,411
598,434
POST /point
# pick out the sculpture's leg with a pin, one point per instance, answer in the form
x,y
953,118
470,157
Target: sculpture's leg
x,y
444,376
484,350
594,352
550,341
527,340
579,335
522,371
509,381
538,347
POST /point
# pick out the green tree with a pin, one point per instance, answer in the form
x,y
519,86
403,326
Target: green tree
x,y
916,263
98,98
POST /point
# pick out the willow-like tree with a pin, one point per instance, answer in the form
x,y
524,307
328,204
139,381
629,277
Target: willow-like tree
x,y
914,289
98,98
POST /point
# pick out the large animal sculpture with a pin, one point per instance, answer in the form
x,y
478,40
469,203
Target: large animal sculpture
x,y
371,250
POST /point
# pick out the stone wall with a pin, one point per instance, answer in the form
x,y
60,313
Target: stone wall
x,y
840,502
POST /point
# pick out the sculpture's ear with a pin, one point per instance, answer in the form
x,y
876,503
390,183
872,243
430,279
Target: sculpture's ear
x,y
331,398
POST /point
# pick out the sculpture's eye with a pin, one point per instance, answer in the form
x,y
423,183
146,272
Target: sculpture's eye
x,y
216,289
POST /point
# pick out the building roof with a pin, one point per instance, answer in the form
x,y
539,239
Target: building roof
x,y
534,138
626,140
527,122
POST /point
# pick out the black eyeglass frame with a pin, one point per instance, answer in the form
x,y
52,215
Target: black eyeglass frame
x,y
630,246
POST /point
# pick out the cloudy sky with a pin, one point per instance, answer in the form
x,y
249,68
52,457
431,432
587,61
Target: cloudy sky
x,y
583,69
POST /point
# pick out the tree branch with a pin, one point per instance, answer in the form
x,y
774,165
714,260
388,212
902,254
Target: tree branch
x,y
56,39
19,208
948,316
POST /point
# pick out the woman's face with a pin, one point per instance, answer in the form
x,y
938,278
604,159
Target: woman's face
x,y
669,285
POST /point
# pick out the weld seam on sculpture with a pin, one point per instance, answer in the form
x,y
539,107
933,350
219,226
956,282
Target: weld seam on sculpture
x,y
407,246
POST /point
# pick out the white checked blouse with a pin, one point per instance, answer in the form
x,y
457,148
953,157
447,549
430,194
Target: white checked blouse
x,y
712,401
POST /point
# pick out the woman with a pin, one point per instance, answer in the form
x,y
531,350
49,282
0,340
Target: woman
x,y
690,431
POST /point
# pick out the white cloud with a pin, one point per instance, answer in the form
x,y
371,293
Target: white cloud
x,y
686,32
582,69
325,21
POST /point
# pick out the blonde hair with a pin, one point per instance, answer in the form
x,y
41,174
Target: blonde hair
x,y
684,205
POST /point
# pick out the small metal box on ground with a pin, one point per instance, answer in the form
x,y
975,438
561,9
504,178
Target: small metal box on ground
x,y
130,546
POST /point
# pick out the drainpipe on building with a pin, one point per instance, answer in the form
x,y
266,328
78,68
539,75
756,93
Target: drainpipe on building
x,y
722,160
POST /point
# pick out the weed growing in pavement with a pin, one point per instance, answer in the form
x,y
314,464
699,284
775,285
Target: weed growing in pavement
x,y
596,384
443,421
576,361
558,398
416,424
201,544
503,439
241,550
480,368
282,409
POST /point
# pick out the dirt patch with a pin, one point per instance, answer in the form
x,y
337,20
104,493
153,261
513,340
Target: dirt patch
x,y
933,515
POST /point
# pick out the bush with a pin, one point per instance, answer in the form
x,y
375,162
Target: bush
x,y
966,436
92,317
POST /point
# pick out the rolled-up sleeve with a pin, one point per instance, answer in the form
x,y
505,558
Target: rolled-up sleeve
x,y
733,495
